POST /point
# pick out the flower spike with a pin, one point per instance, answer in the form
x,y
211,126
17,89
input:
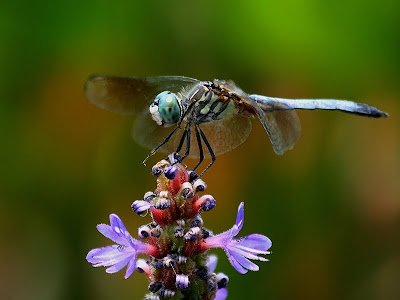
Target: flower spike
x,y
178,265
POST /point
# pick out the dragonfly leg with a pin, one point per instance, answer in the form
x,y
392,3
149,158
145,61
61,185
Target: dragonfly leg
x,y
152,152
180,143
185,136
200,148
203,136
188,133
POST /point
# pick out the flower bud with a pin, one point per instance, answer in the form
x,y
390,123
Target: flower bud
x,y
199,185
144,231
149,196
178,232
222,280
182,281
206,233
192,176
140,206
212,282
156,263
155,286
168,262
174,158
202,273
192,234
170,172
197,221
156,170
187,190
156,232
153,224
180,259
162,203
209,204
142,266
167,293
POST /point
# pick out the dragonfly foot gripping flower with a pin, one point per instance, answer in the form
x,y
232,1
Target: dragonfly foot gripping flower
x,y
176,243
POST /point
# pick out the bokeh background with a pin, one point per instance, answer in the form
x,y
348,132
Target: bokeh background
x,y
331,205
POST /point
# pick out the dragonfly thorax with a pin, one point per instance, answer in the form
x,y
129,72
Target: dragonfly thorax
x,y
207,103
165,109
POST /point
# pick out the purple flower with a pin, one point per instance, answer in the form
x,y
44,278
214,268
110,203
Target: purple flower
x,y
240,250
116,257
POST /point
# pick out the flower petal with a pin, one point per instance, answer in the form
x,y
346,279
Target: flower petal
x,y
221,294
118,266
246,253
235,264
212,262
118,227
109,233
256,241
109,255
131,267
245,262
240,217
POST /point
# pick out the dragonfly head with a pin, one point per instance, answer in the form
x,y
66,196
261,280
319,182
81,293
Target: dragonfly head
x,y
165,109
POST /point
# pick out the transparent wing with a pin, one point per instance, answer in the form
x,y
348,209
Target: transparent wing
x,y
129,95
223,135
282,126
269,103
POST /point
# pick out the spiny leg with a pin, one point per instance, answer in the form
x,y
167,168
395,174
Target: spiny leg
x,y
198,138
184,136
188,133
209,149
152,152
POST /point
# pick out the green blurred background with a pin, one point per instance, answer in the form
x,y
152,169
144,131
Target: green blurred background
x,y
331,205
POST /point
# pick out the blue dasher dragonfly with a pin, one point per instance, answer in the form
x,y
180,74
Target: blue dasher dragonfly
x,y
216,114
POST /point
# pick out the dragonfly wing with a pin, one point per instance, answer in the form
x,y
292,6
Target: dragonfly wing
x,y
283,126
328,104
129,95
228,133
223,135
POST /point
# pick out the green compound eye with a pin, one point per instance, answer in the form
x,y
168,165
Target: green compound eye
x,y
168,107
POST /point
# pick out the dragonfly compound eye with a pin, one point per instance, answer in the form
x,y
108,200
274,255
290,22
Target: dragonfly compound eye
x,y
165,109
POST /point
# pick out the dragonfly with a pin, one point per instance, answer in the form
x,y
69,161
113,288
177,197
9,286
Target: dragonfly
x,y
216,115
